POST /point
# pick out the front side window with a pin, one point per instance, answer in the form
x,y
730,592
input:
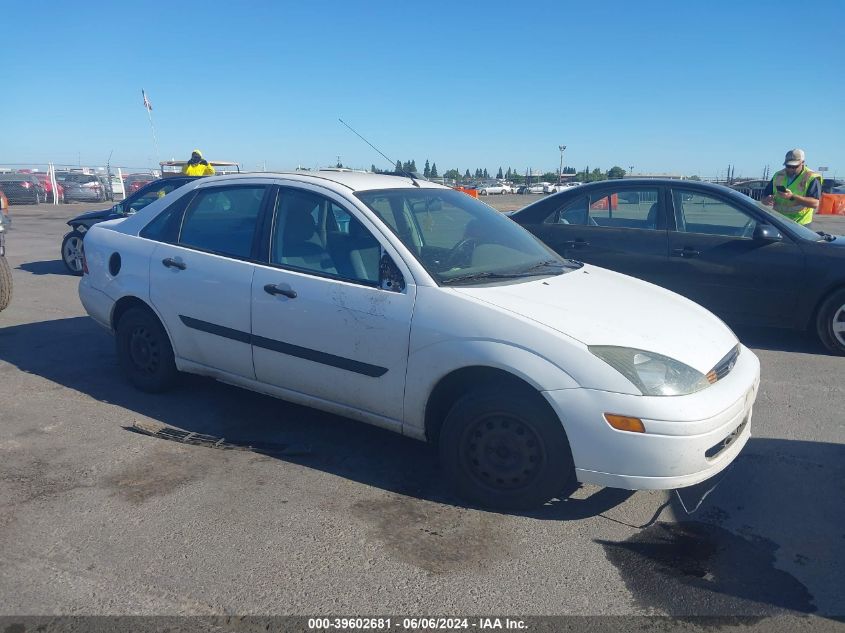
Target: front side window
x,y
701,213
460,240
223,220
314,234
628,209
149,196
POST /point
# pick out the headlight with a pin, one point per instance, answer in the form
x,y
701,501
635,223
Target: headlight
x,y
653,374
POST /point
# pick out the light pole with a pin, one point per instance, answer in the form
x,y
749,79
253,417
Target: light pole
x,y
560,169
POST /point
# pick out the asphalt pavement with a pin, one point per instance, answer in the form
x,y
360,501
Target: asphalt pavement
x,y
323,515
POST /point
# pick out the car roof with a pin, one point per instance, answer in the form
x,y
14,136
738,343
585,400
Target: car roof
x,y
356,181
571,193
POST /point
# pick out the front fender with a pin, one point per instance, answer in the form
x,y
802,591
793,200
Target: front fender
x,y
429,365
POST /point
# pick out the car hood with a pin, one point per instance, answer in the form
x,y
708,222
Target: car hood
x,y
105,214
600,307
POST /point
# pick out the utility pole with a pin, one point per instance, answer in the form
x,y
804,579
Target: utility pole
x,y
560,169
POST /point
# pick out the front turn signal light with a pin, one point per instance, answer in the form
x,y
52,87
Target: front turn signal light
x,y
625,423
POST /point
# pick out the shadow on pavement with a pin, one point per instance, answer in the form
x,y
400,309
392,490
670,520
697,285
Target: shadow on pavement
x,y
276,428
768,540
48,267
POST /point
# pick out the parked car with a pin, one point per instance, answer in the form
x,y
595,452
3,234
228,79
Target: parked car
x,y
22,188
707,242
44,179
840,189
81,187
829,184
558,187
494,188
152,191
432,315
133,182
5,270
537,187
115,188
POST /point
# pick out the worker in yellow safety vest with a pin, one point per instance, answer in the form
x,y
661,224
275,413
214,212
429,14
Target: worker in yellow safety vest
x,y
197,166
794,191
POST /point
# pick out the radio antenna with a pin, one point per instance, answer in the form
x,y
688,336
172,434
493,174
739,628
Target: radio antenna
x,y
409,175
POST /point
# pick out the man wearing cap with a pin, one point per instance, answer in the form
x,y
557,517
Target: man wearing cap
x,y
197,166
794,191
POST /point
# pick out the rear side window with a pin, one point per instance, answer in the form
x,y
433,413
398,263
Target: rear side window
x,y
223,220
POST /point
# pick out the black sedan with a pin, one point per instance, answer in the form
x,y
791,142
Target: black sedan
x,y
22,188
709,243
72,242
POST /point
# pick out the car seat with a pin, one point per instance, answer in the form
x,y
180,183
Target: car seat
x,y
300,246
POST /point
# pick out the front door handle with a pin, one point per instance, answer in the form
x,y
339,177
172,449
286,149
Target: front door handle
x,y
173,263
685,252
579,243
287,291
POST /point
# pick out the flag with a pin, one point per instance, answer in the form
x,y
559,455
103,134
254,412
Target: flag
x,y
147,104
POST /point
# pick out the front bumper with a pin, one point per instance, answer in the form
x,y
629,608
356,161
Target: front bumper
x,y
687,439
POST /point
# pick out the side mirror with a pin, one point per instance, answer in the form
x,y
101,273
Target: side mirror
x,y
118,208
767,233
389,276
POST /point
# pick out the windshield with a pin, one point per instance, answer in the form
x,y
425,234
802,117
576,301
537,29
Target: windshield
x,y
460,240
798,229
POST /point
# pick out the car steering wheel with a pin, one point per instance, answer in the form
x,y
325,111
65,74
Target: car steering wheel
x,y
461,253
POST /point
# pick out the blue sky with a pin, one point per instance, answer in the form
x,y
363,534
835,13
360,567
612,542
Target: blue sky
x,y
684,87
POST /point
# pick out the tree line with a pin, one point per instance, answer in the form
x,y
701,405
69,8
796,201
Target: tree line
x,y
511,175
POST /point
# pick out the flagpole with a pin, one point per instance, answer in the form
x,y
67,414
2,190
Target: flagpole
x,y
149,108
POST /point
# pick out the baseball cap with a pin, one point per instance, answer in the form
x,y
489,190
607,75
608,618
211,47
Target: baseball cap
x,y
794,157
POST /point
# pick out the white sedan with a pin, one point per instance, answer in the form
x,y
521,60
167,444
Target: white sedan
x,y
419,309
494,188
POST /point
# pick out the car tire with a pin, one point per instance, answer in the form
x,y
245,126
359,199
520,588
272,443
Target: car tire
x,y
144,351
5,284
830,322
72,252
505,450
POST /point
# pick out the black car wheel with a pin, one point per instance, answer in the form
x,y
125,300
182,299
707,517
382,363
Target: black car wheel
x,y
72,252
5,284
505,450
830,323
144,351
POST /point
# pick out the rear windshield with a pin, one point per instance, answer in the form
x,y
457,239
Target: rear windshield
x,y
80,178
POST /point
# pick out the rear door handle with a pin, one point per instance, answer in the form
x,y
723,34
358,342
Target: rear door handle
x,y
685,252
173,263
576,243
287,291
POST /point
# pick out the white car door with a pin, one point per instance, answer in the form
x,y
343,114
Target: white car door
x,y
201,284
322,324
